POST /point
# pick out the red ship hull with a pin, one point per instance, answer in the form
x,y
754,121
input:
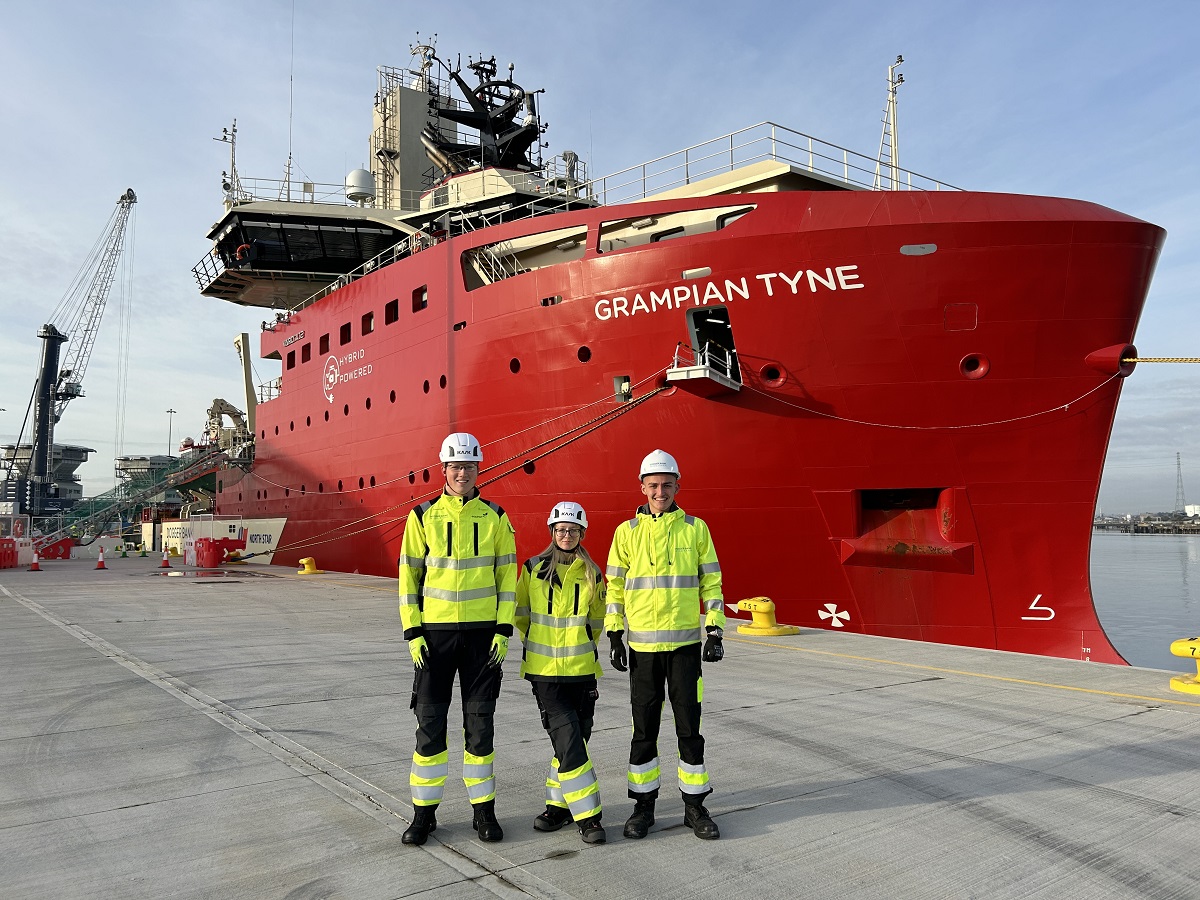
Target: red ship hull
x,y
929,382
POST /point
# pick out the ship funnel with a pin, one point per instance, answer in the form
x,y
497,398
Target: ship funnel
x,y
360,186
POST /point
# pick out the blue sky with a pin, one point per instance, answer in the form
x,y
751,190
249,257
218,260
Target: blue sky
x,y
1095,100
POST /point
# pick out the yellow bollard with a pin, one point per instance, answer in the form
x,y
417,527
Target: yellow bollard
x,y
308,566
1189,648
762,618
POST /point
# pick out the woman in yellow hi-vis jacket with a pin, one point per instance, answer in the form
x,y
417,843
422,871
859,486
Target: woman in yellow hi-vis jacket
x,y
560,613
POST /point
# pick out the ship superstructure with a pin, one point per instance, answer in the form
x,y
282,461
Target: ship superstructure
x,y
891,406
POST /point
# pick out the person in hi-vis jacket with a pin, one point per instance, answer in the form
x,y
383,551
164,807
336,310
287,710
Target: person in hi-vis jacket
x,y
560,612
662,570
458,581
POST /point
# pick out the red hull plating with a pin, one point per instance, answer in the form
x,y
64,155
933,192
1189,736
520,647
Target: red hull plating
x,y
916,450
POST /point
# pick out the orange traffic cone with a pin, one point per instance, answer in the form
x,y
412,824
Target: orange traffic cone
x,y
165,563
100,562
35,567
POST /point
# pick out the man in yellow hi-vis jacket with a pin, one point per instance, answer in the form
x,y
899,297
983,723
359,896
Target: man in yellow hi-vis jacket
x,y
661,569
458,581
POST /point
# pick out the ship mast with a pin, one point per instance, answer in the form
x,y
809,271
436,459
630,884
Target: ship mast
x,y
889,149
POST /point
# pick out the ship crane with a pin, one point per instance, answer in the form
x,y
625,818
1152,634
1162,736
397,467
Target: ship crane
x,y
75,322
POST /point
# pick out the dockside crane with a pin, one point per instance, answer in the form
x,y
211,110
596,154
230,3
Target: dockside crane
x,y
75,322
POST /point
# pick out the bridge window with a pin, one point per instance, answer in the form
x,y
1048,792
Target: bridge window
x,y
345,336
391,312
306,353
324,344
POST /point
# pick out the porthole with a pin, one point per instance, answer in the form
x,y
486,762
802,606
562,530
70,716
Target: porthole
x,y
339,485
392,396
308,421
412,477
320,487
263,434
442,382
287,492
302,491
345,409
425,386
277,429
372,481
514,365
368,403
584,354
291,426
361,483
425,476
326,415
529,467
974,366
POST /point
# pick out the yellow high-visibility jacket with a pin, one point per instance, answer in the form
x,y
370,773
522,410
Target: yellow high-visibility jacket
x,y
458,566
661,570
560,621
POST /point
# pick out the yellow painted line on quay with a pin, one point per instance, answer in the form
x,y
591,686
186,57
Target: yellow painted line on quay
x,y
945,671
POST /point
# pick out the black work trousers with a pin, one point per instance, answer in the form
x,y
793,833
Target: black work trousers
x,y
466,654
568,709
679,671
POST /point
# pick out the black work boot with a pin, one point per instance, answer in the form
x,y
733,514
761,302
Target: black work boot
x,y
485,824
697,819
592,831
554,818
423,822
639,823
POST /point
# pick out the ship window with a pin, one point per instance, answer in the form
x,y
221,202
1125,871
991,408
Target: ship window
x,y
495,262
391,312
552,301
667,235
291,359
368,323
306,353
324,344
420,298
344,336
729,218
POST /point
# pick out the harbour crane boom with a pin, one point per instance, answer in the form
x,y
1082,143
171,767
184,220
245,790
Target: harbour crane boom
x,y
83,331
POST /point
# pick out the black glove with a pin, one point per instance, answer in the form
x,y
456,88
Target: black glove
x,y
714,651
616,653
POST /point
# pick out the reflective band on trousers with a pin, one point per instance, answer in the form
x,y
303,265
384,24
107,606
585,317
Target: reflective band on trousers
x,y
478,777
693,779
649,582
680,636
581,790
643,779
427,778
554,795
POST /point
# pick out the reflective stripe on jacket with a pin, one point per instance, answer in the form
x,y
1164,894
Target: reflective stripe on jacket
x,y
661,571
560,621
458,565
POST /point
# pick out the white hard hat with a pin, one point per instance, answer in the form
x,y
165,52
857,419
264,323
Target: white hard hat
x,y
461,447
566,511
659,462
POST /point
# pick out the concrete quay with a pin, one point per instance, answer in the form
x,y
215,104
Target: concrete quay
x,y
246,732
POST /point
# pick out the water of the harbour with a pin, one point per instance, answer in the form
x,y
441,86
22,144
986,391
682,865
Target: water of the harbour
x,y
1147,593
